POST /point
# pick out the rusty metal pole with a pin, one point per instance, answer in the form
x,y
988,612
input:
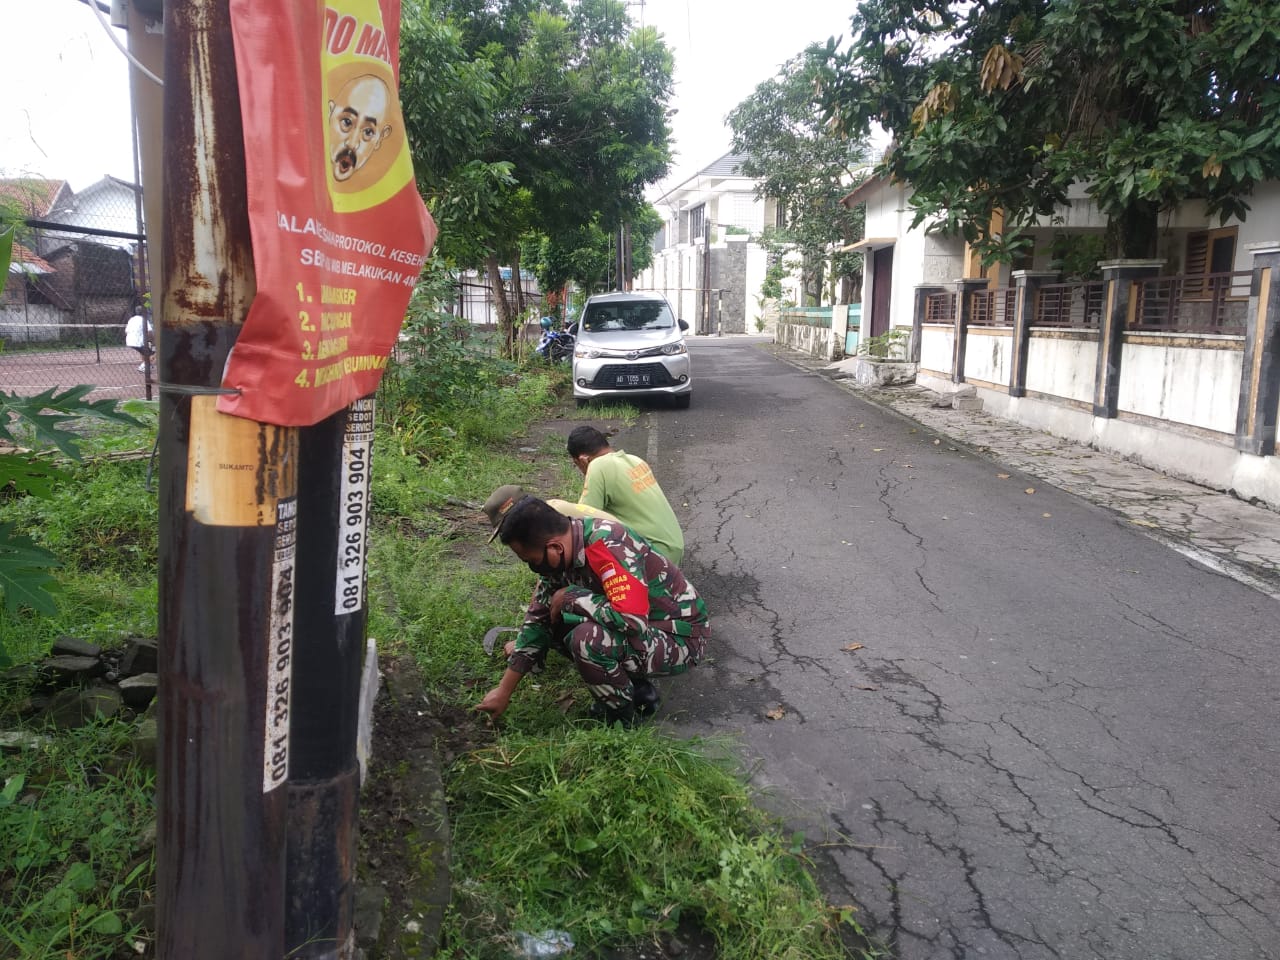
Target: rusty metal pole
x,y
227,515
324,776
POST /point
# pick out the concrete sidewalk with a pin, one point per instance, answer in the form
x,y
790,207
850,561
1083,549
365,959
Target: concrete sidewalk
x,y
1227,535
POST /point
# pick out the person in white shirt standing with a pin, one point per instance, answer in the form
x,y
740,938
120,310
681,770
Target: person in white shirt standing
x,y
138,334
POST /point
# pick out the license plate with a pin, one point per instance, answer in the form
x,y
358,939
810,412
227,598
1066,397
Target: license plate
x,y
633,380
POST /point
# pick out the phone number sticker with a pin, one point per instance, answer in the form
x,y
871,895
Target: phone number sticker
x,y
275,753
353,509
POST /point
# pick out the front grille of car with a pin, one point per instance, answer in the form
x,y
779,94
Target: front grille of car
x,y
632,376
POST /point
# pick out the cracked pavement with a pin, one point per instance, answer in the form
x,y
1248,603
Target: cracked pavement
x,y
1058,737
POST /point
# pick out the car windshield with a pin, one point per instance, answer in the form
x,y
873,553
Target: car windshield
x,y
627,315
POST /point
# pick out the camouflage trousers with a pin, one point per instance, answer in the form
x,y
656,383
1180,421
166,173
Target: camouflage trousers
x,y
607,662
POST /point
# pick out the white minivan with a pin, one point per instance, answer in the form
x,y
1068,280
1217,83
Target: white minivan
x,y
629,345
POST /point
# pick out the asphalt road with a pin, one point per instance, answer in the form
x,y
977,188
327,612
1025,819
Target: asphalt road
x,y
1058,739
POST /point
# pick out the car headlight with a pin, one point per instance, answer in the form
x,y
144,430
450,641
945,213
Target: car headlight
x,y
585,353
674,349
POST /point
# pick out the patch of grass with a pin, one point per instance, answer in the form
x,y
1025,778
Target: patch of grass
x,y
611,410
106,437
105,518
438,608
76,846
615,836
101,606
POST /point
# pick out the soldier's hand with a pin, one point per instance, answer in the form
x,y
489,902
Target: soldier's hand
x,y
557,603
495,702
509,647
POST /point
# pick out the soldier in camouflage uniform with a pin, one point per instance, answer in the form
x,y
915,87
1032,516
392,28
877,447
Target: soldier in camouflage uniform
x,y
619,609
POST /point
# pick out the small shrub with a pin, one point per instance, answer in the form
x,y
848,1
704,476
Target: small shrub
x,y
886,346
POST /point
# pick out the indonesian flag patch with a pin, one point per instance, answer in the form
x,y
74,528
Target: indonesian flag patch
x,y
625,593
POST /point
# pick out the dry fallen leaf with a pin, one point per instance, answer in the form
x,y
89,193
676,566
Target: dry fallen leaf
x,y
777,713
852,646
565,703
1029,490
866,686
936,442
1002,476
1144,523
877,449
1046,515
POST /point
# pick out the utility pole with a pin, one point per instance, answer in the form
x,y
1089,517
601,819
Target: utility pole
x,y
324,775
227,520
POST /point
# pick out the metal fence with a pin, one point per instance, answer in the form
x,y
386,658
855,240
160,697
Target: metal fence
x,y
70,293
940,308
1208,303
1071,305
474,301
993,308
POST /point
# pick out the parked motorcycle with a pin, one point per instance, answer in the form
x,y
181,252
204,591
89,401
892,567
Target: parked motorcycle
x,y
555,345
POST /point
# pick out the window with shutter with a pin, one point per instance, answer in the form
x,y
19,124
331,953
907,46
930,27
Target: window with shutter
x,y
1208,251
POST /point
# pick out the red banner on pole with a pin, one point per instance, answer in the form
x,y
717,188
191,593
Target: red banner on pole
x,y
339,230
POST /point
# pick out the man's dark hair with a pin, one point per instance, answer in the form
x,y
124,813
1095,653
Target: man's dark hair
x,y
585,439
531,523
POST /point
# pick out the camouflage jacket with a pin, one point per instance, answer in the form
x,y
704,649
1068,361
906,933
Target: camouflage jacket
x,y
618,581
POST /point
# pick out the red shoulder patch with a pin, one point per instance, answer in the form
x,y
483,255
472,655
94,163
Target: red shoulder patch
x,y
624,591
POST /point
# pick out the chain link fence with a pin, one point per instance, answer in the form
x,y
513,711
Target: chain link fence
x,y
69,296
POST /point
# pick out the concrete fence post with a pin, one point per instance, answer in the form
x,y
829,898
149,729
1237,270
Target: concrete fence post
x,y
1119,276
1260,374
919,307
1027,283
839,330
962,315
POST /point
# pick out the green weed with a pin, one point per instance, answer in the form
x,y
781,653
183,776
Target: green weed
x,y
611,410
616,835
104,607
105,518
76,846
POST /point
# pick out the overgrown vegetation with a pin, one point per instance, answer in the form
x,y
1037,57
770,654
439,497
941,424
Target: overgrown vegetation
x,y
644,829
616,835
805,166
1004,106
75,869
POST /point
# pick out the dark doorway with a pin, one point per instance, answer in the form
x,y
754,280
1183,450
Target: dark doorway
x,y
881,290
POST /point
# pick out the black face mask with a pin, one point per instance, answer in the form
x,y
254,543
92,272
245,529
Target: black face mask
x,y
545,568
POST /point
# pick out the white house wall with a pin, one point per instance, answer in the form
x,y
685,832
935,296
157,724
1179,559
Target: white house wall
x,y
936,345
987,355
1191,385
1062,367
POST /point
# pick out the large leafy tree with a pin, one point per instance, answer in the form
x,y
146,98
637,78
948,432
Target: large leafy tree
x,y
1003,106
587,255
803,163
574,123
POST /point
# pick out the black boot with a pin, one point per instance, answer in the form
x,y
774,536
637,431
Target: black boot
x,y
645,697
627,714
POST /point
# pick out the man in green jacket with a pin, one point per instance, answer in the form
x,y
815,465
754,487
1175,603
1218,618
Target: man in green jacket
x,y
626,487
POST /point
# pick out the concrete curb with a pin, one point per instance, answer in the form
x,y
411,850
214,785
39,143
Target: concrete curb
x,y
397,921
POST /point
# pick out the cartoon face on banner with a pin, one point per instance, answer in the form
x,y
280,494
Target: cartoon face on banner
x,y
367,153
357,124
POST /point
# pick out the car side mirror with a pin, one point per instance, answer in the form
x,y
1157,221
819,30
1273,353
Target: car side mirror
x,y
573,329
683,325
